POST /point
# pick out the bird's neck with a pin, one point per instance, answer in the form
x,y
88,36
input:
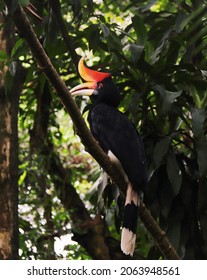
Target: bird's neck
x,y
112,101
102,103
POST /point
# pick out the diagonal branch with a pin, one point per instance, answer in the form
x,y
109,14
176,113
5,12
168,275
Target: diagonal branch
x,y
92,146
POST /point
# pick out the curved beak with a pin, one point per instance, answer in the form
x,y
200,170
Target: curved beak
x,y
91,77
85,89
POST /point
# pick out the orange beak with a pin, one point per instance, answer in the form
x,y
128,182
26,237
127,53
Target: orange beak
x,y
91,77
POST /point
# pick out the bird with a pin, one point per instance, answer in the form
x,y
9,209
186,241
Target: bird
x,y
119,139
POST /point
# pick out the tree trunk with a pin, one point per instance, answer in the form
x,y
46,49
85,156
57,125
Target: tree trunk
x,y
10,86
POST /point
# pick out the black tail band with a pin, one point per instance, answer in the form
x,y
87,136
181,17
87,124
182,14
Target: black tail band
x,y
130,219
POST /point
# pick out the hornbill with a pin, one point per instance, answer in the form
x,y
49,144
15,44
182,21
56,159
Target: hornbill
x,y
119,139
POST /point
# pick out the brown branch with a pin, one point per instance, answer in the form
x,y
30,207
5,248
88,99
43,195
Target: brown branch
x,y
45,64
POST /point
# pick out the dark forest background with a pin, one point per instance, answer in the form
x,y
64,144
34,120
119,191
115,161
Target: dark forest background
x,y
51,203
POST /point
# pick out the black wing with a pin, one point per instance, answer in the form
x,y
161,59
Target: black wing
x,y
115,132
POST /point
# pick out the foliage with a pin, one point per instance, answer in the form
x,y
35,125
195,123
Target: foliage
x,y
156,52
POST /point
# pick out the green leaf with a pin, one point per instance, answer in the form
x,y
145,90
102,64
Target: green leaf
x,y
162,45
161,149
174,173
136,52
17,45
198,118
167,97
23,2
140,30
111,37
3,56
22,178
174,234
105,29
202,152
76,6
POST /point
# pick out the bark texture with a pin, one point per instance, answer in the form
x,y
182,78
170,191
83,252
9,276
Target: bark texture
x,y
10,87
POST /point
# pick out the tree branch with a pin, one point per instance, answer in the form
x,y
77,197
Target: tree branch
x,y
87,139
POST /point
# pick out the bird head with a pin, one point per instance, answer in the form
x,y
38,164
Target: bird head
x,y
99,86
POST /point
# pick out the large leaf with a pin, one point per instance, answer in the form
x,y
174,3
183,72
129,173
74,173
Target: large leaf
x,y
202,155
174,234
161,149
174,173
167,97
140,30
198,118
113,40
136,51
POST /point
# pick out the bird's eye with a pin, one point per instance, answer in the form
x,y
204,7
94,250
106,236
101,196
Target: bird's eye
x,y
100,85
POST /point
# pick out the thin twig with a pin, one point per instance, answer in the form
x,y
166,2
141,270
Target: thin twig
x,y
56,9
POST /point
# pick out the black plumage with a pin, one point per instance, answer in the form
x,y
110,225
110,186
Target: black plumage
x,y
119,138
116,133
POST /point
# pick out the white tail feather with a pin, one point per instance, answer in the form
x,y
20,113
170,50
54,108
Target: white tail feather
x,y
131,195
128,237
